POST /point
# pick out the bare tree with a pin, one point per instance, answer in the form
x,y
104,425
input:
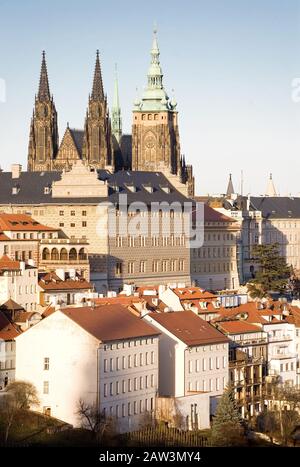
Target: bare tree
x,y
18,396
95,421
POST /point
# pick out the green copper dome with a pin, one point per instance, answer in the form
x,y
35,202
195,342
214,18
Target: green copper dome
x,y
154,97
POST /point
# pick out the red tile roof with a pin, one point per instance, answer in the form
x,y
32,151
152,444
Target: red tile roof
x,y
20,222
7,264
3,237
189,328
51,281
110,322
9,332
237,327
191,293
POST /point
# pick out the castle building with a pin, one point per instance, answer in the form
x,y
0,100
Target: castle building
x,y
154,145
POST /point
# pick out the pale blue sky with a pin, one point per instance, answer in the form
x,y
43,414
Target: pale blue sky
x,y
231,64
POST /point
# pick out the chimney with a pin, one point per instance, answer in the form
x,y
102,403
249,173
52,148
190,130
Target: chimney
x,y
16,170
22,267
61,274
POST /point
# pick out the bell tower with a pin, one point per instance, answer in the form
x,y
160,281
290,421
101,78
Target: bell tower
x,y
43,138
155,135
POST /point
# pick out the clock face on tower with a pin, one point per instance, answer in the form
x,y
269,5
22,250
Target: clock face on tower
x,y
150,147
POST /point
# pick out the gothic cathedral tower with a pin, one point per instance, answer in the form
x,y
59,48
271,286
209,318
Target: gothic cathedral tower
x,y
97,142
155,134
43,138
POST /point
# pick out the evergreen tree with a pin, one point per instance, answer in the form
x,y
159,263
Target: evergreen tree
x,y
227,427
273,273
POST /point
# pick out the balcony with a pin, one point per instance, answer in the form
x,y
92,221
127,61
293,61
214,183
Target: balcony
x,y
64,241
282,356
63,261
286,337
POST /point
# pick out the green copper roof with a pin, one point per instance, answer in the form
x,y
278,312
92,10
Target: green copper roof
x,y
155,97
116,110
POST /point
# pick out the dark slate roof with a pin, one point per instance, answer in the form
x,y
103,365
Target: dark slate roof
x,y
279,207
31,187
78,139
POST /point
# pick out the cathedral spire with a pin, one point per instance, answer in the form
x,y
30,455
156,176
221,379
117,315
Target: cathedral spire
x,y
116,111
97,91
155,74
230,189
44,91
271,191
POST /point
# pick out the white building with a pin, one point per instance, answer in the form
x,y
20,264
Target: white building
x,y
282,356
18,281
104,355
8,333
193,359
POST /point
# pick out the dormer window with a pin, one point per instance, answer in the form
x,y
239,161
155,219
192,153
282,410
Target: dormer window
x,y
15,189
131,187
165,188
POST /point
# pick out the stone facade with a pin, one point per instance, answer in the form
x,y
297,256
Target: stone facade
x,y
43,138
214,264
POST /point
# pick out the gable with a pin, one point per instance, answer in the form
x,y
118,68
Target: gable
x,y
68,149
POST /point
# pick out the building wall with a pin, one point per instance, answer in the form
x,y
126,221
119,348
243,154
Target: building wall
x,y
129,380
72,373
214,266
7,362
206,368
282,358
20,287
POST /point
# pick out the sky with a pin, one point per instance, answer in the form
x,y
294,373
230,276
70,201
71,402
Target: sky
x,y
233,65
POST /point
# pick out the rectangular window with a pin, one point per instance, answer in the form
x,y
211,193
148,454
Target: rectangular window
x,y
204,364
190,366
111,389
141,383
141,359
210,363
46,363
129,385
111,364
105,365
105,390
123,386
84,213
217,363
72,213
61,213
129,361
84,224
129,408
46,387
152,358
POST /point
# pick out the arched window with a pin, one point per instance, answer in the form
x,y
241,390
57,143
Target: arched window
x,y
73,254
63,254
46,254
54,254
82,254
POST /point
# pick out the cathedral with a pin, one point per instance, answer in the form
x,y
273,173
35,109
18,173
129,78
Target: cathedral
x,y
153,146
